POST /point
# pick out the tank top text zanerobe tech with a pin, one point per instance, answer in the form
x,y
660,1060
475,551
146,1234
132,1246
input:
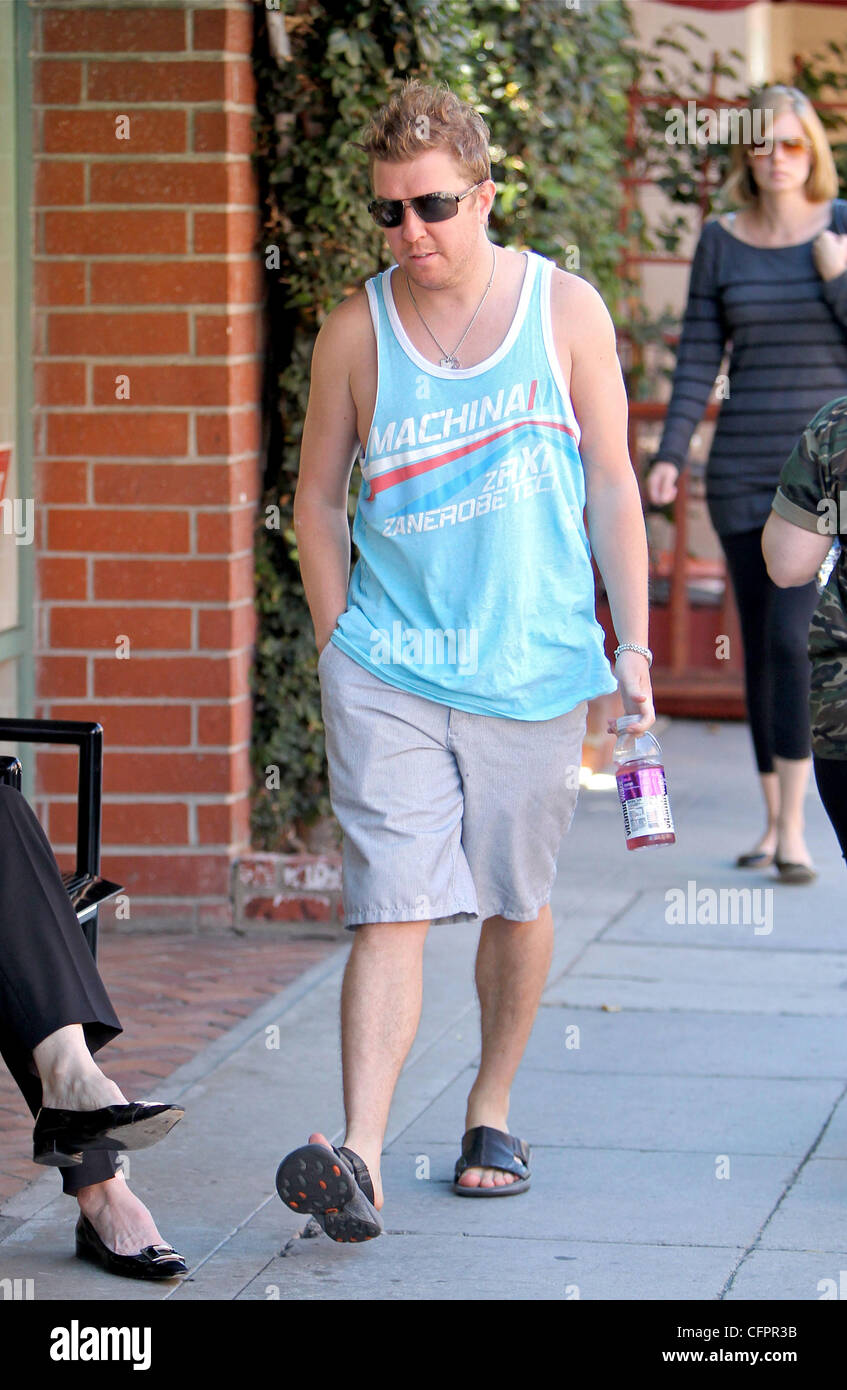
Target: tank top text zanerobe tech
x,y
474,584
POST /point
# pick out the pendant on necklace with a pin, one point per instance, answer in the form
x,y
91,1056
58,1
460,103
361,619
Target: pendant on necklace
x,y
449,361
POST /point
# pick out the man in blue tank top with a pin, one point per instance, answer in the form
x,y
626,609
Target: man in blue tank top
x,y
481,391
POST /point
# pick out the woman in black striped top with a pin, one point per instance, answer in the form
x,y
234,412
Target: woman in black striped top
x,y
770,282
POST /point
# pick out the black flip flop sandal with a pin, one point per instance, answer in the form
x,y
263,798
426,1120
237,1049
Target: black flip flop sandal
x,y
335,1187
484,1147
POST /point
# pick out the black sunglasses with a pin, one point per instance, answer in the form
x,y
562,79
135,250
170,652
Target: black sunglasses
x,y
430,207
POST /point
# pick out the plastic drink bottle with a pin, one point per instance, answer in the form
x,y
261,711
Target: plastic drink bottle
x,y
821,581
642,788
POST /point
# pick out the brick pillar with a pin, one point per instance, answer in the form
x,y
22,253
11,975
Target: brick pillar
x,y
148,292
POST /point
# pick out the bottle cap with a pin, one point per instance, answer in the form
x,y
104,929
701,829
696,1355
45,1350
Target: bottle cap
x,y
625,721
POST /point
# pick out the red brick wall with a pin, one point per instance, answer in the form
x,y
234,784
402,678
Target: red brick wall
x,y
145,267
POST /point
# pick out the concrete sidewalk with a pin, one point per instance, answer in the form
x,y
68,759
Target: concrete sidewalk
x,y
683,1091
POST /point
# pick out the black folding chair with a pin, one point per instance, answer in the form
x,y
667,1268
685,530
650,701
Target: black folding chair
x,y
86,889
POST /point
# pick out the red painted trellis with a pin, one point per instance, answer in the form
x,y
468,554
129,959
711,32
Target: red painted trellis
x,y
687,677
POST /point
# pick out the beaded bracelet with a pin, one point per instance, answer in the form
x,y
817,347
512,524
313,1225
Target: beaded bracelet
x,y
634,647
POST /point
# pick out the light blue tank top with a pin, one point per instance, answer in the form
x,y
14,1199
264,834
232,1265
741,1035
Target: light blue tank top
x,y
474,585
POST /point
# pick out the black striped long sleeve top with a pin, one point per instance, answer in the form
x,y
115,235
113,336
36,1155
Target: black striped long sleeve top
x,y
786,329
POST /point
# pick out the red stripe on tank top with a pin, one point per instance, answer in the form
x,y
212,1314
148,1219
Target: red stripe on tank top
x,y
413,470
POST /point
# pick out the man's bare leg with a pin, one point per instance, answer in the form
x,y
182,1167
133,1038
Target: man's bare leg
x,y
380,1011
512,965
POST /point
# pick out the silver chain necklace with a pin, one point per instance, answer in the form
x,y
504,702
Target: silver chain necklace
x,y
449,359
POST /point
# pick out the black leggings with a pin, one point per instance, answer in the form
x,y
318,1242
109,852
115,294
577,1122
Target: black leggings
x,y
775,630
831,777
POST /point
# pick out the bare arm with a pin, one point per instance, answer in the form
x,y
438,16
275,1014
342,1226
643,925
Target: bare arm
x,y
792,554
613,503
328,450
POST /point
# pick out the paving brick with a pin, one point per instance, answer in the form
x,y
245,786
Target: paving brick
x,y
173,996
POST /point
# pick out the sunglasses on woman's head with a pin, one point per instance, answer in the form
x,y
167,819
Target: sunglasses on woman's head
x,y
792,144
430,207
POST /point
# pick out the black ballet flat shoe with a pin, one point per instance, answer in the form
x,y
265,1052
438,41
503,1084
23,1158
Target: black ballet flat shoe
x,y
757,859
153,1262
790,872
61,1137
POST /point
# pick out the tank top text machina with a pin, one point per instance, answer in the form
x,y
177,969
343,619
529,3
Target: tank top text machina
x,y
474,585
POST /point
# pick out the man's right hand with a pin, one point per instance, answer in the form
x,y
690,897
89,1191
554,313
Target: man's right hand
x,y
661,483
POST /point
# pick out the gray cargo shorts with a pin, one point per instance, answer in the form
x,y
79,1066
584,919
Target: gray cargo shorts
x,y
447,816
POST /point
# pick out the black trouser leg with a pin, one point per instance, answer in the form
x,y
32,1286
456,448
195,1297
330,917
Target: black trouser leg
x,y
775,631
831,777
48,978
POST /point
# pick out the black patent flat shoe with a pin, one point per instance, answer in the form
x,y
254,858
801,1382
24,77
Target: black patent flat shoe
x,y
61,1137
153,1262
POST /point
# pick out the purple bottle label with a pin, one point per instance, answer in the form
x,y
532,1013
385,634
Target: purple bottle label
x,y
643,793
